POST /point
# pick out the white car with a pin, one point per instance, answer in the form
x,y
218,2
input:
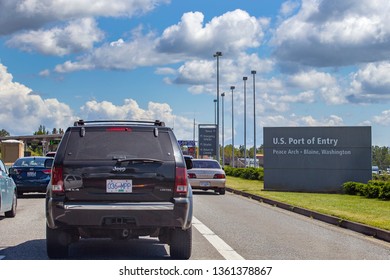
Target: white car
x,y
8,194
207,174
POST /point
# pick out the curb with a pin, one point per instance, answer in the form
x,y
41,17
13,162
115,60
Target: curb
x,y
361,228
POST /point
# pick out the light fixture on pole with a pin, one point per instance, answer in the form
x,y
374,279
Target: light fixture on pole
x,y
217,55
223,129
253,72
245,79
232,88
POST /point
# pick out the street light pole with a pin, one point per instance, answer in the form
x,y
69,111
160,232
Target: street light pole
x,y
223,130
215,111
217,55
232,88
245,79
253,72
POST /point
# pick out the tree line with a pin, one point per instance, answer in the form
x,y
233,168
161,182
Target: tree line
x,y
380,155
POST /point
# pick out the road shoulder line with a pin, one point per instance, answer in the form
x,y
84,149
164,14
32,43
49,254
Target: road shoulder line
x,y
221,246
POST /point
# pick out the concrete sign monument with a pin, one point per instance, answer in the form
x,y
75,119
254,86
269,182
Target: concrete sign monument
x,y
316,159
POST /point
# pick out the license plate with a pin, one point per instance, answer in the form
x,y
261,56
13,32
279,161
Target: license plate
x,y
31,174
119,186
205,184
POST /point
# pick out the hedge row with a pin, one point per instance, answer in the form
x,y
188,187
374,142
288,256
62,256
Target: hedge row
x,y
250,173
373,189
381,177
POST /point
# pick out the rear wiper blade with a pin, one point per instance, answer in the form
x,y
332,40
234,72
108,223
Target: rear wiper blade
x,y
138,160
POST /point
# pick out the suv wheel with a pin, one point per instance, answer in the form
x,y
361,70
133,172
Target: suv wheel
x,y
57,243
181,244
221,191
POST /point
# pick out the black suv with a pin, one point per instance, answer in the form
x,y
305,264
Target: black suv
x,y
119,179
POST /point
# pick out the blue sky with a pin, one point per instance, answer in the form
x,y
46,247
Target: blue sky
x,y
318,63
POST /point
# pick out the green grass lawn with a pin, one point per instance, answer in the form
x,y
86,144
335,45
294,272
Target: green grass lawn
x,y
373,212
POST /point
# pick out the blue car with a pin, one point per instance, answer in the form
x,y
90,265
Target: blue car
x,y
30,174
8,197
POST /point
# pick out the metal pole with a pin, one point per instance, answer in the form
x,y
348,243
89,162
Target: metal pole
x,y
245,79
232,88
217,55
253,72
223,130
215,111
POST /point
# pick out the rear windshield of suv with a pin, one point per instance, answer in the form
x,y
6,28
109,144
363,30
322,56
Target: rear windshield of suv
x,y
116,143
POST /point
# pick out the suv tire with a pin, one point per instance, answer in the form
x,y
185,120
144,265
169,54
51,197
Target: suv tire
x,y
181,244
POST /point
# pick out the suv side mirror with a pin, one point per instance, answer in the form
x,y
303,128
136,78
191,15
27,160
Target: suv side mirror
x,y
49,162
188,162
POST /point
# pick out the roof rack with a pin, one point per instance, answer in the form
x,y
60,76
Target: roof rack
x,y
83,122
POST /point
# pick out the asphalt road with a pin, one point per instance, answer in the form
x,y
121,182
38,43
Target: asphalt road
x,y
225,227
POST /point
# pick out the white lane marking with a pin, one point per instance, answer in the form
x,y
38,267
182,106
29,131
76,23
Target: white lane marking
x,y
224,249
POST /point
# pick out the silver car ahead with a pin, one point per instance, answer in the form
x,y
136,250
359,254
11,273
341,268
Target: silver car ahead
x,y
207,174
8,196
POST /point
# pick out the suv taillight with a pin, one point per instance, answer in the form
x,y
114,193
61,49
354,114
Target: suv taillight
x,y
57,181
181,186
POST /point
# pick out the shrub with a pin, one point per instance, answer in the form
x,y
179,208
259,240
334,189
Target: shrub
x,y
350,188
249,173
381,177
373,189
384,192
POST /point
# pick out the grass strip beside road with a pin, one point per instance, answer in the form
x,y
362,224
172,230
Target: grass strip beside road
x,y
368,211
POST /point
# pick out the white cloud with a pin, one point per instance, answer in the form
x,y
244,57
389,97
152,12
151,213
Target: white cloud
x,y
120,55
383,118
28,110
16,15
230,32
44,73
371,83
312,79
196,72
130,110
165,71
335,33
303,97
295,120
288,7
332,120
78,35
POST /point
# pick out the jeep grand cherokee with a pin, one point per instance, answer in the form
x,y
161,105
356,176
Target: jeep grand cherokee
x,y
119,179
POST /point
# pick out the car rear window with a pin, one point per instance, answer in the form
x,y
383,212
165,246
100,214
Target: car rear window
x,y
30,162
116,143
205,164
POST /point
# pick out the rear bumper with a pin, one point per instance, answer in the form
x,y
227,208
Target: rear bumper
x,y
207,183
131,215
31,188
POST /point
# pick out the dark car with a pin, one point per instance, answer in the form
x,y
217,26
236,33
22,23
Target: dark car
x,y
30,174
8,197
119,179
